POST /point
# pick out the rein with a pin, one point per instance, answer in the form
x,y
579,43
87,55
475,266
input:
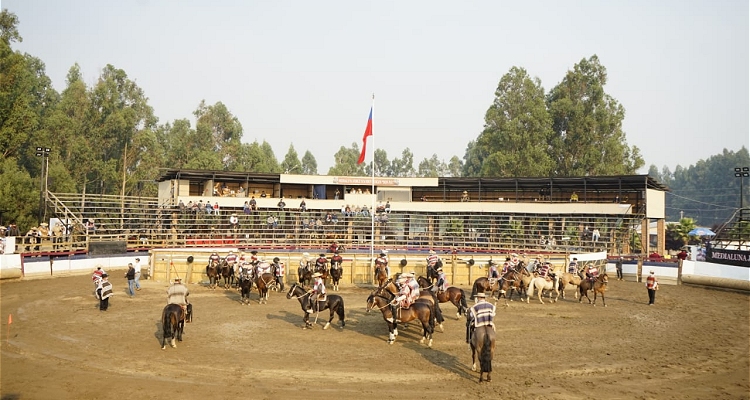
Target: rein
x,y
302,295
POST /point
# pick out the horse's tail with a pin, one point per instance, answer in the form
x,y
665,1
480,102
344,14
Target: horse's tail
x,y
167,327
464,306
340,310
485,357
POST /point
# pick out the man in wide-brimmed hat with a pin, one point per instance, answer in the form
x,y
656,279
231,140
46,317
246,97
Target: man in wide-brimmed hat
x,y
318,292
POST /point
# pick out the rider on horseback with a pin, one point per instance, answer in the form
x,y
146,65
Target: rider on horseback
x,y
407,294
321,264
432,259
214,257
480,314
492,271
318,292
544,270
507,265
573,266
177,294
591,273
231,259
442,282
383,260
336,260
278,268
304,262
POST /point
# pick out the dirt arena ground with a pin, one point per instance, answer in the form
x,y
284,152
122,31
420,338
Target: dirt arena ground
x,y
693,344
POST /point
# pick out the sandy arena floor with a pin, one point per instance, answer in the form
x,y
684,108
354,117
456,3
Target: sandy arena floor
x,y
693,344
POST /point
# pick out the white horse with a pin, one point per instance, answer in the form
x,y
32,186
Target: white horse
x,y
541,284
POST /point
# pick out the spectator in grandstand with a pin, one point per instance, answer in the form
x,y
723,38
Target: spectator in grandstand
x,y
303,205
246,208
200,206
253,204
365,211
337,195
181,206
574,197
281,204
388,207
216,208
465,196
209,208
595,235
269,222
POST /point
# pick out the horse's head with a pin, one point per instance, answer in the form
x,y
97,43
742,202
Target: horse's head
x,y
293,290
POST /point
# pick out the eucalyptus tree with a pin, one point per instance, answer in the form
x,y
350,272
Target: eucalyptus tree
x,y
587,130
345,162
309,164
517,129
291,163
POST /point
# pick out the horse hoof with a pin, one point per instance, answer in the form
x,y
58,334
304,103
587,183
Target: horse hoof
x,y
474,367
421,340
429,344
327,325
163,347
441,328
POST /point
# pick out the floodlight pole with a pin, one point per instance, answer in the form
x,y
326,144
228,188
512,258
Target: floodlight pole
x,y
742,172
44,153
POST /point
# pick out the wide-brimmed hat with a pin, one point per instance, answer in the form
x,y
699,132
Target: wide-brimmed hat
x,y
407,275
652,272
305,255
432,251
317,274
322,254
44,224
137,259
480,295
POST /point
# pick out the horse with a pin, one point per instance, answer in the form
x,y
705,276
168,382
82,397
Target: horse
x,y
482,345
485,285
513,281
425,296
336,272
227,274
246,285
212,270
381,273
173,324
600,286
381,299
432,274
305,275
332,302
452,294
569,279
264,282
540,284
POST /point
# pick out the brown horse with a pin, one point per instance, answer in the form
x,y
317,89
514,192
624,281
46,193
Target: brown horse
x,y
453,294
173,323
381,273
600,286
381,299
513,281
264,282
485,285
425,296
483,348
212,270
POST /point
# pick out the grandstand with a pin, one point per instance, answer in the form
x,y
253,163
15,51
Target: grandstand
x,y
492,215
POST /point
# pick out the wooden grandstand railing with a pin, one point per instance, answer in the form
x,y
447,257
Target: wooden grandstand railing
x,y
144,223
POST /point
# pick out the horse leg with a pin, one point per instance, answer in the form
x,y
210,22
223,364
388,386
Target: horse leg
x,y
331,313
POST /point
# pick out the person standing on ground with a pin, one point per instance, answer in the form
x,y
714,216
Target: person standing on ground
x,y
131,280
137,279
618,267
652,284
103,292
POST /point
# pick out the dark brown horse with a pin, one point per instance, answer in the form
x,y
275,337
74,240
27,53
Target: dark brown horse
x,y
483,348
381,299
304,275
212,270
599,286
334,303
453,294
336,271
227,274
173,324
246,284
381,273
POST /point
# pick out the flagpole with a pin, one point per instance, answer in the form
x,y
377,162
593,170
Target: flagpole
x,y
372,189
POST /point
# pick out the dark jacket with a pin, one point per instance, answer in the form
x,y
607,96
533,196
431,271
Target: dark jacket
x,y
130,274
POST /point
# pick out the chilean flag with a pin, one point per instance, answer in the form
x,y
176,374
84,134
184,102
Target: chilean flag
x,y
368,132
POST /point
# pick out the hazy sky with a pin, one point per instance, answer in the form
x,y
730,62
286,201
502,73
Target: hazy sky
x,y
303,72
